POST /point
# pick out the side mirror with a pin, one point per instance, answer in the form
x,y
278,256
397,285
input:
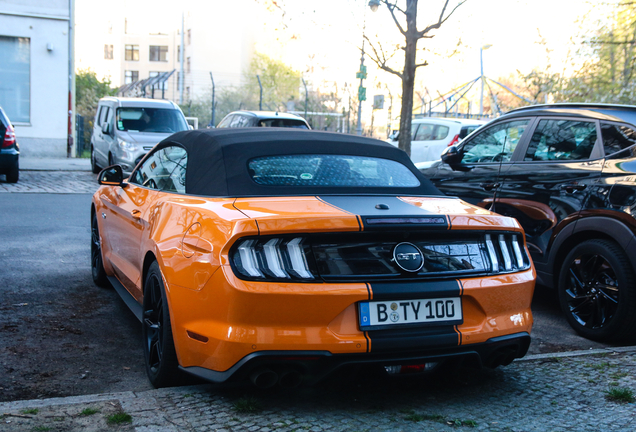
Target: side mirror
x,y
111,176
451,155
106,128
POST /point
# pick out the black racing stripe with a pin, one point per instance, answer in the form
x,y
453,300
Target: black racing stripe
x,y
366,205
381,212
415,290
333,205
369,291
366,336
461,287
427,336
257,227
460,334
359,222
410,339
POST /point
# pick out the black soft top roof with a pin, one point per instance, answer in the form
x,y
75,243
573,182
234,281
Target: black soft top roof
x,y
218,160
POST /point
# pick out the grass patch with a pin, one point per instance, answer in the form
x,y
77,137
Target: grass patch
x,y
601,366
41,429
414,417
88,411
119,418
620,394
619,375
30,411
247,405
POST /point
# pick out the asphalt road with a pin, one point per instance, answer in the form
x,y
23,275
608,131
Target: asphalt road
x,y
60,335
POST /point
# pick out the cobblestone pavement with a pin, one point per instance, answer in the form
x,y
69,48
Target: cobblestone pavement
x,y
544,393
52,182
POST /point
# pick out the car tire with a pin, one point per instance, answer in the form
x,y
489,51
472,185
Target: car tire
x,y
160,356
597,291
13,175
97,263
94,167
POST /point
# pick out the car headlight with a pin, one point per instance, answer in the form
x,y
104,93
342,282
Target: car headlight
x,y
125,145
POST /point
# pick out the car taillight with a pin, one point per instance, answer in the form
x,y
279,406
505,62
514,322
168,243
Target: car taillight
x,y
271,258
454,141
9,137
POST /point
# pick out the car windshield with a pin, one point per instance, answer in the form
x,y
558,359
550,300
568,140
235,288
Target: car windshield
x,y
330,170
156,120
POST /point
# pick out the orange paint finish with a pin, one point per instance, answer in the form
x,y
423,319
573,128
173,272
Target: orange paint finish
x,y
496,306
293,214
239,315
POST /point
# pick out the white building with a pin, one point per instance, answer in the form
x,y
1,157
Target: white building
x,y
35,42
129,41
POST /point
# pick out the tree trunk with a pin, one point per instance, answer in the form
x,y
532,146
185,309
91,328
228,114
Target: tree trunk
x,y
408,77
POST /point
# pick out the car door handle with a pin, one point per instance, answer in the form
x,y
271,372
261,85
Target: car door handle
x,y
571,188
489,186
136,213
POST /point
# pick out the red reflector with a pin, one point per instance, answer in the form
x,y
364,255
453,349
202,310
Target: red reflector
x,y
454,141
407,369
9,137
196,336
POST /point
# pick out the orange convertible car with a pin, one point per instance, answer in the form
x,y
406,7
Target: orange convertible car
x,y
283,255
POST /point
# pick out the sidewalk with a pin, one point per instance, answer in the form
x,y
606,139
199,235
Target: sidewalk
x,y
556,392
54,164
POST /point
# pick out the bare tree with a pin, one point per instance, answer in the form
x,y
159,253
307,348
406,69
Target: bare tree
x,y
411,36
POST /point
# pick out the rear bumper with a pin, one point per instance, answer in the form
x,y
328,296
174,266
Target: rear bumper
x,y
318,364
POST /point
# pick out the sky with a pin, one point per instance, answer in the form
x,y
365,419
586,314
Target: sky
x,y
322,39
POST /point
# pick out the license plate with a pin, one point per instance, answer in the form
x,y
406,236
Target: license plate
x,y
379,314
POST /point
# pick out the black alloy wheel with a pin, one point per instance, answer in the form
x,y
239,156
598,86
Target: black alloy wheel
x,y
97,265
597,291
94,167
159,352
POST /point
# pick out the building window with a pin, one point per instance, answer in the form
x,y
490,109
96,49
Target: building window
x,y
15,88
132,52
188,65
161,86
108,52
131,77
158,53
189,36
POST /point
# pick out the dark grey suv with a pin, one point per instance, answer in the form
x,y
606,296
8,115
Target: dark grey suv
x,y
567,173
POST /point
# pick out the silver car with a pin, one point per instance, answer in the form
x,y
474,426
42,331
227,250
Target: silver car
x,y
125,129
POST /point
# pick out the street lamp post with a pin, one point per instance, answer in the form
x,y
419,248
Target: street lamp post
x,y
362,73
481,76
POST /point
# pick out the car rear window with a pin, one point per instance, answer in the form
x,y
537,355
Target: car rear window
x,y
288,123
330,170
465,130
157,120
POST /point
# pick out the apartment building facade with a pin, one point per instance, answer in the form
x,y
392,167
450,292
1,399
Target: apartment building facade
x,y
35,84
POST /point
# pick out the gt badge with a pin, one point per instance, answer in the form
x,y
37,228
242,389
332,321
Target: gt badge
x,y
408,257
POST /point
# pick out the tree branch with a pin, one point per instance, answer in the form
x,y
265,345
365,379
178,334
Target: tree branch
x,y
380,58
441,19
391,7
421,64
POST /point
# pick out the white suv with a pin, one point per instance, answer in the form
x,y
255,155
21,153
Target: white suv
x,y
431,135
125,129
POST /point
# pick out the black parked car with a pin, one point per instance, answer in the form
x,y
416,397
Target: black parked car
x,y
9,150
567,173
